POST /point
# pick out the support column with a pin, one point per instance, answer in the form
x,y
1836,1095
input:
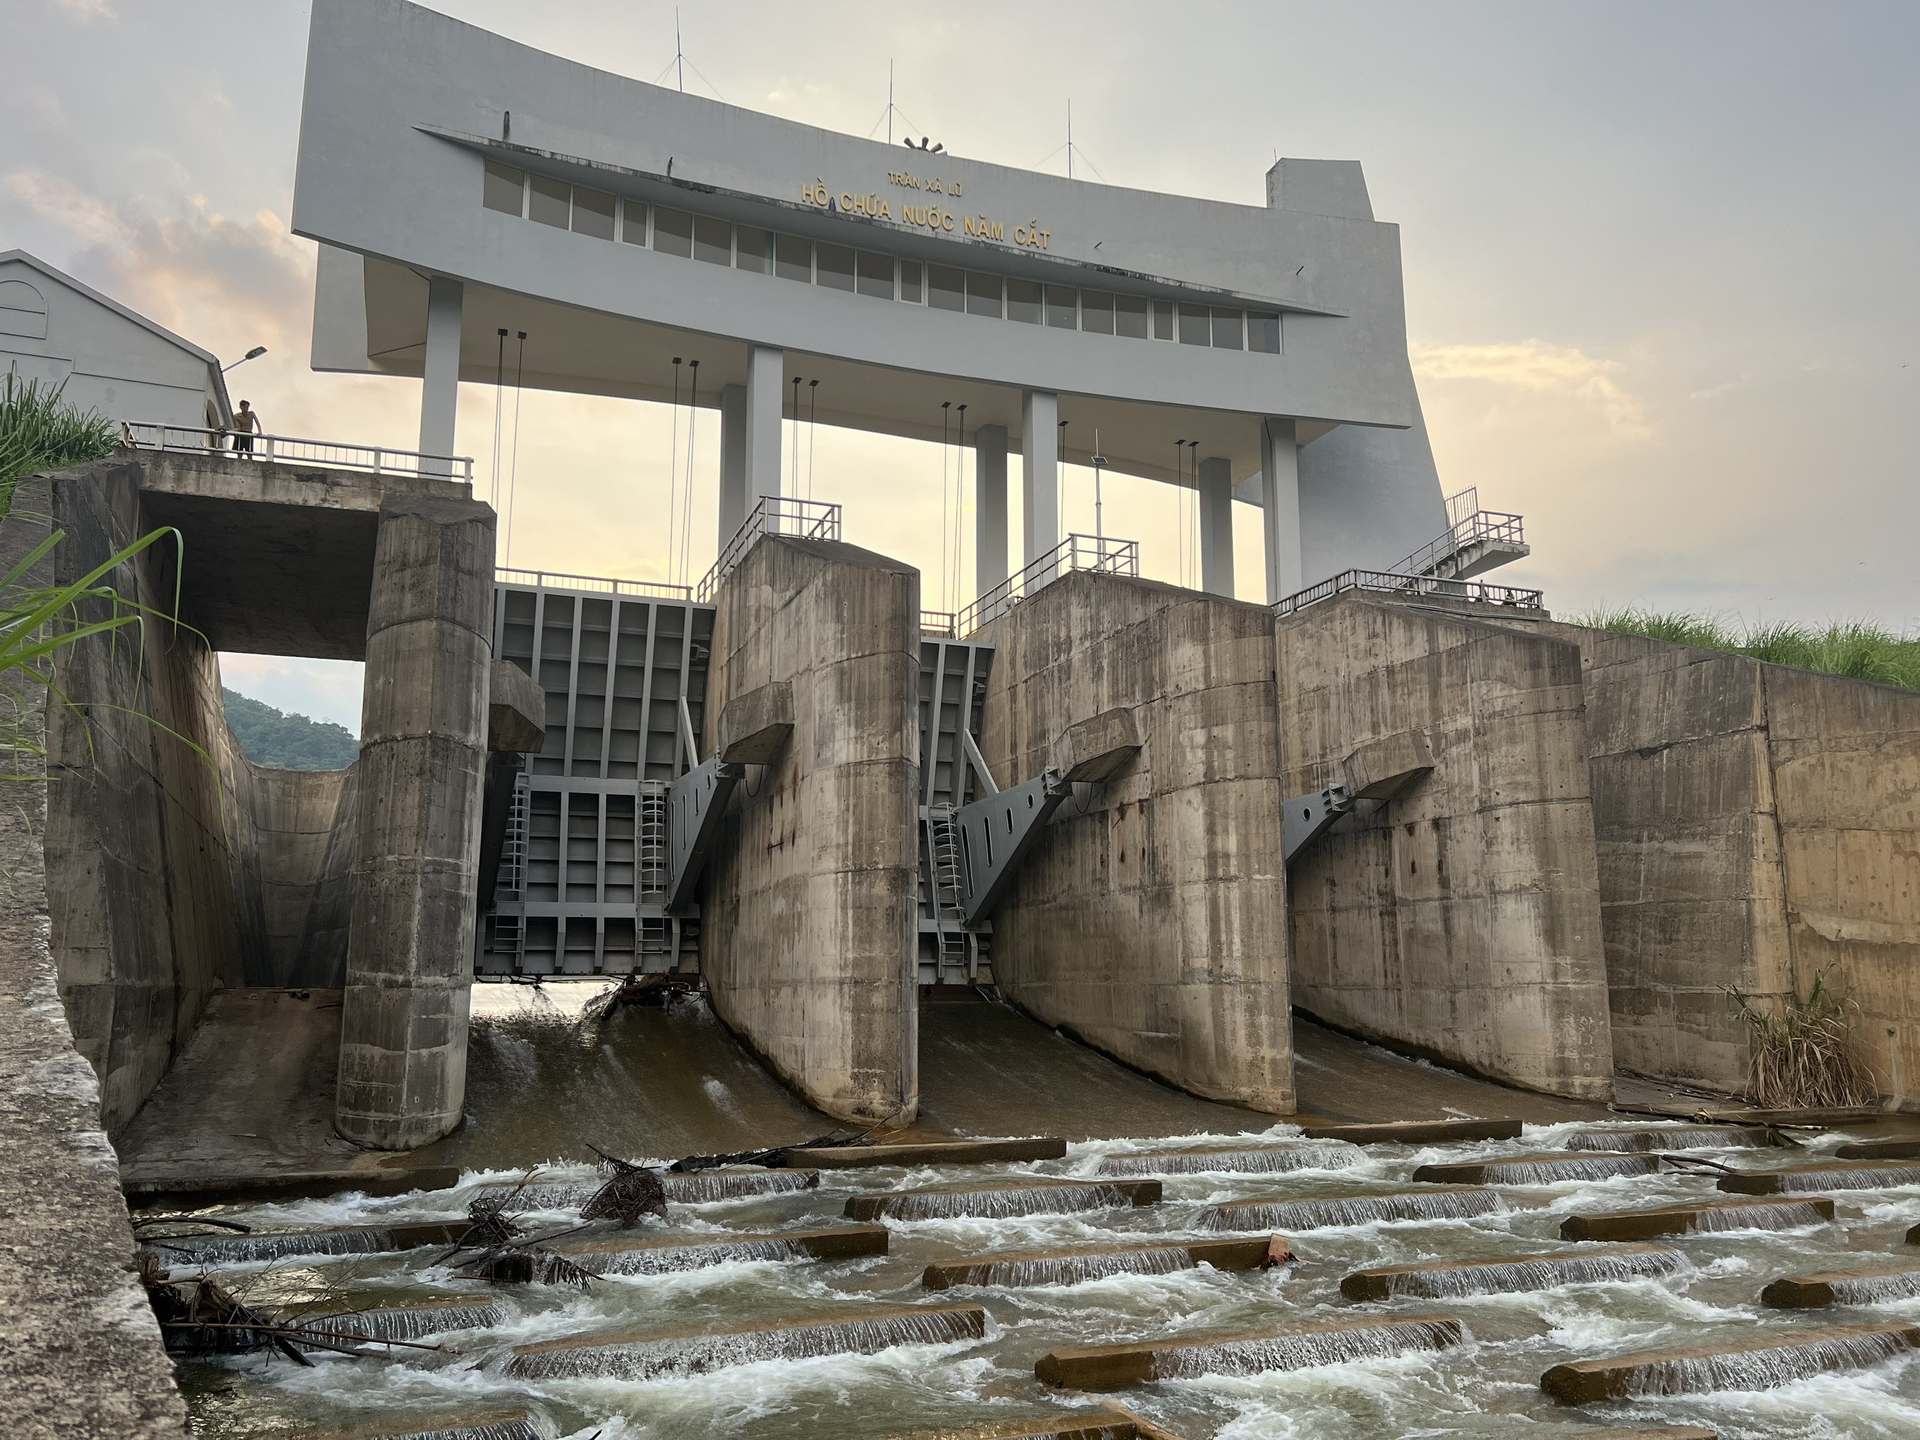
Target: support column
x,y
1280,477
766,405
440,382
733,461
989,508
1216,527
1040,433
416,867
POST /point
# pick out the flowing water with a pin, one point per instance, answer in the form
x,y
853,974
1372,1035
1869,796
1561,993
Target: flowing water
x,y
744,1338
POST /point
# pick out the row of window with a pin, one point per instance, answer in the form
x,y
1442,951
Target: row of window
x,y
865,272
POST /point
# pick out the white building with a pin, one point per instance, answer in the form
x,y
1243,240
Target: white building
x,y
60,332
465,189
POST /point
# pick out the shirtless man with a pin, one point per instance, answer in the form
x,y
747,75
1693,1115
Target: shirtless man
x,y
246,424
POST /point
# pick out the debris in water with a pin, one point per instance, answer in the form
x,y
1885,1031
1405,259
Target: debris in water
x,y
633,1191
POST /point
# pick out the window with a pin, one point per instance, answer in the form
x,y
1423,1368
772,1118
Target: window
x,y
505,188
1096,312
593,213
983,294
1163,320
633,222
672,231
1130,316
835,265
876,275
549,202
753,248
1023,301
712,240
1263,333
1228,330
946,288
1196,325
23,310
1063,307
793,258
910,283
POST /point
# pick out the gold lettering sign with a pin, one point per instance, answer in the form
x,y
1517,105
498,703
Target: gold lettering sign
x,y
929,216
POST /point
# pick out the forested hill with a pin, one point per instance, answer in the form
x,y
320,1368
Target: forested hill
x,y
288,742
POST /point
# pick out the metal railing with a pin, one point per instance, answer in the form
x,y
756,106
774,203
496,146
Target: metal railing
x,y
939,623
1104,555
1473,529
333,454
1462,504
554,580
773,515
1416,586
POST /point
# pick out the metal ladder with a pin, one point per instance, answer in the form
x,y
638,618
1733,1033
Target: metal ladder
x,y
943,854
509,924
656,936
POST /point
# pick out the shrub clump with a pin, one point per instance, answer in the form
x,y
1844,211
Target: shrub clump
x,y
40,431
1800,1057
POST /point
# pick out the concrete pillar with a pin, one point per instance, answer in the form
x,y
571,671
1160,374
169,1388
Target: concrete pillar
x,y
766,405
1040,432
415,881
1280,475
733,461
989,508
440,383
1216,527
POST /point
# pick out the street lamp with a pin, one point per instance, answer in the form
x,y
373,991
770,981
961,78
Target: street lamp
x,y
254,354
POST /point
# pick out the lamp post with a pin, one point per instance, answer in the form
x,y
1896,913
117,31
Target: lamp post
x,y
254,354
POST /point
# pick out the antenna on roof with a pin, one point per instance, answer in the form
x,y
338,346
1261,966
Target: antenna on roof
x,y
1069,139
679,54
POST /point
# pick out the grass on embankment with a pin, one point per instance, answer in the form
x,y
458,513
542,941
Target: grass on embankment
x,y
1853,648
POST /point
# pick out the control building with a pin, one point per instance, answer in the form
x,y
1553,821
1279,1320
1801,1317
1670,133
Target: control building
x,y
460,184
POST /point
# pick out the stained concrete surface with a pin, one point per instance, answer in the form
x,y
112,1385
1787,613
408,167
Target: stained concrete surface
x,y
82,1353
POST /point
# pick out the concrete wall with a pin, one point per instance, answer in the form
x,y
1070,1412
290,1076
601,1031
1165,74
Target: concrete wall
x,y
1151,921
809,913
303,833
1756,826
155,903
1461,919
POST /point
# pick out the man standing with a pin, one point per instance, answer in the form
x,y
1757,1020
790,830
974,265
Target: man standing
x,y
246,424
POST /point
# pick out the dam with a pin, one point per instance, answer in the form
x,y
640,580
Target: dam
x,y
771,1005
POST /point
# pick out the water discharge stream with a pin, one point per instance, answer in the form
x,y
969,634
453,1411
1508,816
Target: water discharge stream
x,y
732,1333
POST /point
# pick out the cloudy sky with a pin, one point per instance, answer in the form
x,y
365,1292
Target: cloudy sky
x,y
1659,256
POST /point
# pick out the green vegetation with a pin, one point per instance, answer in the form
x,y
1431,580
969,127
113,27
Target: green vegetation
x,y
40,431
1853,648
1800,1056
288,742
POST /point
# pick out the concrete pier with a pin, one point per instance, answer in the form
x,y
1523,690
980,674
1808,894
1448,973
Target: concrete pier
x,y
1288,1347
1547,1169
810,905
1031,1197
1067,1267
1168,875
1459,918
1855,1285
403,1029
1836,1175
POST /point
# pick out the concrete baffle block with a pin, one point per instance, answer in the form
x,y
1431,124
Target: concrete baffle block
x,y
403,1035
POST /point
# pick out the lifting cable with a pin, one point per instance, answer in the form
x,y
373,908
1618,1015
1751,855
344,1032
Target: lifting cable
x,y
1193,530
794,489
946,407
813,410
499,393
513,465
673,478
959,510
686,490
1180,516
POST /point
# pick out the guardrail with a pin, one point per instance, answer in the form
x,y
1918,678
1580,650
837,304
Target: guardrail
x,y
1481,525
940,624
334,454
1425,586
1102,554
772,515
554,580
